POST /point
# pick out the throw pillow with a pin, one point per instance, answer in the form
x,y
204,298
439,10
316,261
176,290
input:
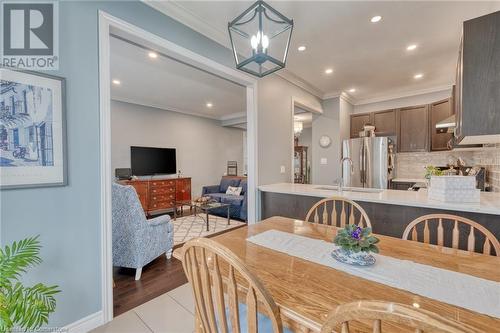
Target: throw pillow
x,y
233,190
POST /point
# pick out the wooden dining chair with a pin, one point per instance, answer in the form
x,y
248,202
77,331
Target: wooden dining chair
x,y
338,211
393,316
489,239
223,287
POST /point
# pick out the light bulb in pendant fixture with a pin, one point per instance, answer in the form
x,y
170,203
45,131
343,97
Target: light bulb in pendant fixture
x,y
298,126
265,42
255,40
259,40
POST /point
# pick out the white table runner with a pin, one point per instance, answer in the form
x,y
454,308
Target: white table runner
x,y
466,291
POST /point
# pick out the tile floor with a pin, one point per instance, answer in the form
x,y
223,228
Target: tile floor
x,y
172,312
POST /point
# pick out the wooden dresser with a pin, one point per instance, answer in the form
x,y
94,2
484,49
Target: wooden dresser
x,y
161,194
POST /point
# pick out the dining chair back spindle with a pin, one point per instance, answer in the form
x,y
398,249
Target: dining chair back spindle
x,y
378,314
224,289
338,211
490,241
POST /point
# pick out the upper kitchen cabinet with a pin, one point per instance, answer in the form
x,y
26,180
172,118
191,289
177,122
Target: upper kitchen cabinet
x,y
413,129
357,123
385,122
478,81
440,111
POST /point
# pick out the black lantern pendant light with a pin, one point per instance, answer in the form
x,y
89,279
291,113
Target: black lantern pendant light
x,y
260,37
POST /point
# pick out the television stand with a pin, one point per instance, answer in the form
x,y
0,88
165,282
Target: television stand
x,y
158,195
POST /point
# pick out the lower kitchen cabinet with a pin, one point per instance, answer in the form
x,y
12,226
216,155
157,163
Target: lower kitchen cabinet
x,y
404,186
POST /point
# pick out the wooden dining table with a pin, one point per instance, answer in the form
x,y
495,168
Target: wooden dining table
x,y
306,292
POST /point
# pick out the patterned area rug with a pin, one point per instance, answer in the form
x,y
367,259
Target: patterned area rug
x,y
192,226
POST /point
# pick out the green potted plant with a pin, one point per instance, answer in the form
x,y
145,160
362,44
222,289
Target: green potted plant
x,y
23,308
430,171
354,245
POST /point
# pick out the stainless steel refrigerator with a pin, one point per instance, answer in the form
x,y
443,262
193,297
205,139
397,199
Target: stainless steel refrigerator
x,y
371,161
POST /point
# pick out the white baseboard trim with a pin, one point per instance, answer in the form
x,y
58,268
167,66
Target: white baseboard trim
x,y
85,324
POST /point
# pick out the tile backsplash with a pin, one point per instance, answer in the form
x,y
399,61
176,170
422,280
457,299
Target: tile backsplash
x,y
411,165
490,159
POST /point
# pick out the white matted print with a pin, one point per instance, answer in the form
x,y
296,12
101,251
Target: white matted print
x,y
32,130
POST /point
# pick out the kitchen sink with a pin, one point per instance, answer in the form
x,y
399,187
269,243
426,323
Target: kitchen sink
x,y
350,189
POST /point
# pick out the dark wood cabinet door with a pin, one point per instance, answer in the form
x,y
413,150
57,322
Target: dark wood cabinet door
x,y
385,122
357,123
413,132
457,95
479,78
440,111
183,189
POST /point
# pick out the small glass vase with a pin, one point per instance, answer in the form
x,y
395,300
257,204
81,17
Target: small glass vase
x,y
353,258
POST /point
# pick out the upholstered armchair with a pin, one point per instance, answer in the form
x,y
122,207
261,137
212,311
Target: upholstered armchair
x,y
137,241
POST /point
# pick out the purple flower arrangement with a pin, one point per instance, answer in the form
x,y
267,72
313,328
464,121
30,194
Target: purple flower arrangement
x,y
356,239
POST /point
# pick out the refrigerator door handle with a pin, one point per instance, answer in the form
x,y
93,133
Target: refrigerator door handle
x,y
366,173
361,164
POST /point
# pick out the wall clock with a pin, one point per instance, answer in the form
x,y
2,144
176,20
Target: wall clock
x,y
325,141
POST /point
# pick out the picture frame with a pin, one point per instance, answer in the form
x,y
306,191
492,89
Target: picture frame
x,y
32,130
232,168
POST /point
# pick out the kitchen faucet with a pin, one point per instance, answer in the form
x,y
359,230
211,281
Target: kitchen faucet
x,y
341,182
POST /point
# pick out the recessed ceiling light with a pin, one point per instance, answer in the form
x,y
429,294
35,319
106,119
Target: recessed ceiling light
x,y
153,55
301,48
416,305
328,71
376,19
209,105
352,90
418,76
411,47
116,82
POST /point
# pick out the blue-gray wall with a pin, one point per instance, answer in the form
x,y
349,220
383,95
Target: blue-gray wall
x,y
67,218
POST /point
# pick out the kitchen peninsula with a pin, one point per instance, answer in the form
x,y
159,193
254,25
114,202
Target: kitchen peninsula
x,y
390,211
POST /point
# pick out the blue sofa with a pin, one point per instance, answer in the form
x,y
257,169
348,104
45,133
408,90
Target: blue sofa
x,y
238,203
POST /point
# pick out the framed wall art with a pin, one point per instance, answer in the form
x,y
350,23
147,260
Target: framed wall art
x,y
32,130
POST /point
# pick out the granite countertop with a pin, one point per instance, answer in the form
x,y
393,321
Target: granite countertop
x,y
489,204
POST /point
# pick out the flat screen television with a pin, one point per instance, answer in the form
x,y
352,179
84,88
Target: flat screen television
x,y
152,161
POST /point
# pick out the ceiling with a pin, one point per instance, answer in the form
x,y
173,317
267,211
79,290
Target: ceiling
x,y
369,57
167,84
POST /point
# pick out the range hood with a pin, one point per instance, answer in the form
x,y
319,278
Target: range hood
x,y
446,125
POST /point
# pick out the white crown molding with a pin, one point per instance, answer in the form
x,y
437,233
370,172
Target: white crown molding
x,y
403,95
330,95
185,16
85,324
345,96
171,109
232,116
300,82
